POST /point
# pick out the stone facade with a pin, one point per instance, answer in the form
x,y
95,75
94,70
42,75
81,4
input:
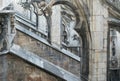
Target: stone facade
x,y
14,68
45,51
99,29
74,35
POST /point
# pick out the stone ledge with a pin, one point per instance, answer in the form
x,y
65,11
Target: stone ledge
x,y
36,60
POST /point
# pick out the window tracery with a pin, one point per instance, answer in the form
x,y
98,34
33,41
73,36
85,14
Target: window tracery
x,y
40,12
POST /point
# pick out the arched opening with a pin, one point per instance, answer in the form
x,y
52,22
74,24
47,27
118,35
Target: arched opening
x,y
84,38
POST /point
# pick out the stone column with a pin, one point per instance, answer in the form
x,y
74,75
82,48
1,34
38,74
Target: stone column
x,y
99,29
56,24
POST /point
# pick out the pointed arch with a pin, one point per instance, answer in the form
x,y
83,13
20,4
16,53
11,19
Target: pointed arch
x,y
83,29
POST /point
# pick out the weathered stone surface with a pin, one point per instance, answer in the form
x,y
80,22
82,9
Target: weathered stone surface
x,y
4,3
20,70
41,63
95,13
56,25
47,53
99,28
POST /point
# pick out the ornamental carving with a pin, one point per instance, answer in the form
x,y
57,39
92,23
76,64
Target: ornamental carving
x,y
3,33
7,31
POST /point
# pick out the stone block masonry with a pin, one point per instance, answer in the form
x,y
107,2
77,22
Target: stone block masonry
x,y
13,68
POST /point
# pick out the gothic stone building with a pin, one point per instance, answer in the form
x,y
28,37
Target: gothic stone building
x,y
59,40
